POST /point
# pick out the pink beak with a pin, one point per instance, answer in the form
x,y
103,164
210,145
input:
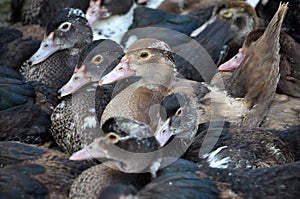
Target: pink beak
x,y
47,48
121,71
91,151
234,62
163,132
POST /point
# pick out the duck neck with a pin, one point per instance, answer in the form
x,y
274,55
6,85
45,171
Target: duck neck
x,y
162,80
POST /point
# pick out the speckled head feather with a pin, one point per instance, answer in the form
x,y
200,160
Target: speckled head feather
x,y
133,134
64,15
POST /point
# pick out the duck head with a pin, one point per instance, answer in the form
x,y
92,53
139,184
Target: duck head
x,y
181,119
68,29
238,15
150,59
126,145
95,60
101,9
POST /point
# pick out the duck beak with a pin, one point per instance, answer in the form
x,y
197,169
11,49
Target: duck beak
x,y
93,150
163,132
121,71
78,80
47,48
96,12
234,62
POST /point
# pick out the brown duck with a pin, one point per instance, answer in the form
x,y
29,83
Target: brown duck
x,y
257,77
152,61
289,64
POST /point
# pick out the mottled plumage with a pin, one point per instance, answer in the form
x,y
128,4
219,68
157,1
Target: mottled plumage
x,y
75,121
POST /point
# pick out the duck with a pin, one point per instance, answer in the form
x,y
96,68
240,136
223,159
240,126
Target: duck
x,y
92,181
143,57
235,20
39,12
219,144
110,19
32,171
14,46
40,98
256,182
74,119
60,49
184,179
131,164
22,118
275,119
290,136
120,138
147,17
257,92
289,62
176,180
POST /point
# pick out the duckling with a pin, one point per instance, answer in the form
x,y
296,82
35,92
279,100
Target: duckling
x,y
39,12
31,171
15,47
74,120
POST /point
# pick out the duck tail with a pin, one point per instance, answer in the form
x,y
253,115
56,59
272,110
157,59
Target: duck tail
x,y
274,27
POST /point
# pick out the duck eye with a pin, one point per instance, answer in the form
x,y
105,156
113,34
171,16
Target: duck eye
x,y
76,78
65,26
144,55
178,112
227,14
112,137
97,59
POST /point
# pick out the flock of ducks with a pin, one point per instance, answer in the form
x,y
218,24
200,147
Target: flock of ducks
x,y
150,99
